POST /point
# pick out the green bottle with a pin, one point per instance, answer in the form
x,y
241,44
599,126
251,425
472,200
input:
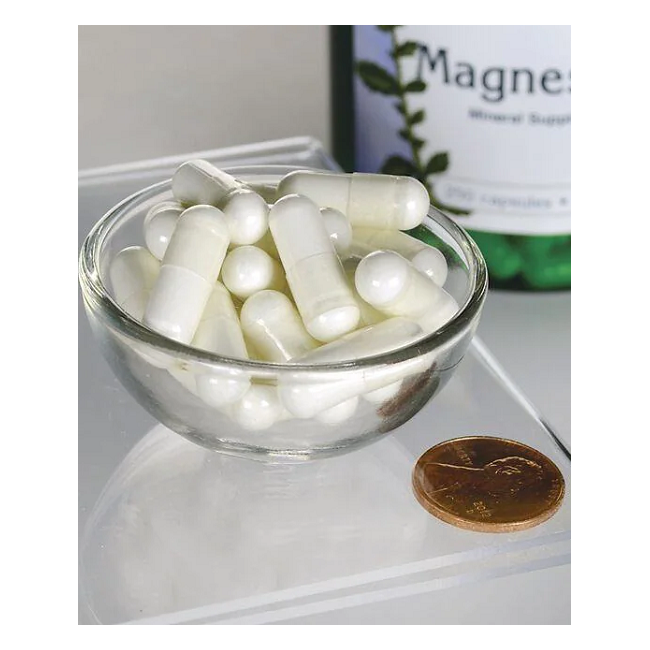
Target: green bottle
x,y
482,116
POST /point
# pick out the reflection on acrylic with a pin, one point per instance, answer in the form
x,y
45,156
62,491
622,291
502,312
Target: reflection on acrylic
x,y
179,526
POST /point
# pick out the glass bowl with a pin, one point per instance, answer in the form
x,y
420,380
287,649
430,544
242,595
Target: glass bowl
x,y
334,407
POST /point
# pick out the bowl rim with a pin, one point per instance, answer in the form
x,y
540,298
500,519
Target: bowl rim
x,y
98,299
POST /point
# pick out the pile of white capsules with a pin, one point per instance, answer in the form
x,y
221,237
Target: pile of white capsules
x,y
316,271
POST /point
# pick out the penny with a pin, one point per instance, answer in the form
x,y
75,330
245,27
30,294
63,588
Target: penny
x,y
488,484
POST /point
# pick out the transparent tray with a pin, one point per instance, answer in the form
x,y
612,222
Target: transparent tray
x,y
171,533
184,535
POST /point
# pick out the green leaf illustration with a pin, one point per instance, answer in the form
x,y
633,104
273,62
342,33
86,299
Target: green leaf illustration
x,y
416,118
405,49
377,78
416,86
380,80
398,166
437,163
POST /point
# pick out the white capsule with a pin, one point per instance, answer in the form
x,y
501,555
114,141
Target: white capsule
x,y
305,394
272,324
198,182
392,285
369,315
369,341
367,200
338,228
221,387
258,409
425,258
248,269
189,270
313,269
248,216
432,263
339,413
159,224
219,332
133,273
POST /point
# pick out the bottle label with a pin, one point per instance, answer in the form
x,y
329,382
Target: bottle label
x,y
481,114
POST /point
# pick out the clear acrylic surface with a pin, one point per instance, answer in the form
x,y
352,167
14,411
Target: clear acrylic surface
x,y
173,533
185,535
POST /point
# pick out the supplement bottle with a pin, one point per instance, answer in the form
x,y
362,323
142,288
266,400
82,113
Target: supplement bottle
x,y
482,116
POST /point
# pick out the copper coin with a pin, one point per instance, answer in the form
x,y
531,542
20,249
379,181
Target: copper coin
x,y
488,484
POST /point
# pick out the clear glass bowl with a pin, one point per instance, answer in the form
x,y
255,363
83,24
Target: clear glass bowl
x,y
341,405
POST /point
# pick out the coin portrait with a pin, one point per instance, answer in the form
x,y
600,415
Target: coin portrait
x,y
488,484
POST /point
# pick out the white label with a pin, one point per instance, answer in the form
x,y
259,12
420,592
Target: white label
x,y
498,100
